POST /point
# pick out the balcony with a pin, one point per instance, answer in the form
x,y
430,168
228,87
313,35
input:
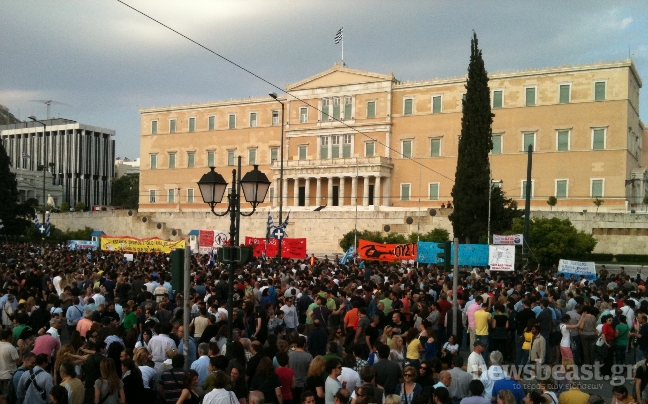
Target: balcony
x,y
346,166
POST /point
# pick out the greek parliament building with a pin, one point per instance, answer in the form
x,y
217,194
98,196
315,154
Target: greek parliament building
x,y
582,121
79,160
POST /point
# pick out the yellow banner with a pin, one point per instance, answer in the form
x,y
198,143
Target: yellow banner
x,y
132,244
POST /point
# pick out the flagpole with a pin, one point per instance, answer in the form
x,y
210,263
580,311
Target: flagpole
x,y
343,49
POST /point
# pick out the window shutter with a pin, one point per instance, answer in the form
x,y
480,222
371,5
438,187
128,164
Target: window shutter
x,y
497,99
564,93
530,96
371,109
497,145
599,91
598,142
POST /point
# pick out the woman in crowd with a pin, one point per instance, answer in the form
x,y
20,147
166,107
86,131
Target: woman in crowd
x,y
133,384
189,384
237,385
144,339
315,381
449,350
149,375
267,381
500,326
108,388
414,348
396,354
407,390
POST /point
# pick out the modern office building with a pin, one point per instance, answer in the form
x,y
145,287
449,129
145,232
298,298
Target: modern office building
x,y
357,138
79,158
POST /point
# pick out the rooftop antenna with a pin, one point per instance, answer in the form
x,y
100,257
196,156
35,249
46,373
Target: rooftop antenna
x,y
49,103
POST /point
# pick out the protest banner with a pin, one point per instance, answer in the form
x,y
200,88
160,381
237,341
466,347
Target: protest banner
x,y
209,240
82,245
509,239
501,257
578,269
370,250
290,247
473,255
132,244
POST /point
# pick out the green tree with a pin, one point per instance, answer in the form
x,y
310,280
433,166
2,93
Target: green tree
x,y
395,238
125,192
552,201
472,177
65,207
503,211
347,239
8,194
79,207
435,235
554,239
597,202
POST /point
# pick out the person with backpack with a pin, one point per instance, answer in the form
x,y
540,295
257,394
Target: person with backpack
x,y
35,384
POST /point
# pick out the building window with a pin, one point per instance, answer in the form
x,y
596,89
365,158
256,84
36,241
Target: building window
x,y
598,139
252,154
370,149
435,147
433,191
346,146
231,156
154,127
524,183
303,152
336,108
172,126
561,189
325,109
528,139
530,93
335,146
253,119
408,106
562,140
406,148
192,124
231,124
271,196
303,114
324,147
498,99
348,107
171,197
405,192
599,90
190,195
497,144
153,161
211,122
151,196
274,154
565,94
436,104
191,159
172,160
597,188
275,118
371,109
210,159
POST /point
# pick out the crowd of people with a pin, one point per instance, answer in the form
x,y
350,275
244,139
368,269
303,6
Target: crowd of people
x,y
94,327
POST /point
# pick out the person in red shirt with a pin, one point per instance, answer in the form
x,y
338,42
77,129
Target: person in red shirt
x,y
46,344
607,349
445,307
286,377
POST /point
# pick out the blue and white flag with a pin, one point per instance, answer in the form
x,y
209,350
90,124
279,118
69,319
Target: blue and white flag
x,y
347,255
37,223
339,36
46,229
211,262
270,227
26,156
285,222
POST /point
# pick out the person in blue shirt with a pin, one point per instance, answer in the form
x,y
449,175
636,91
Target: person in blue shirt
x,y
201,365
191,357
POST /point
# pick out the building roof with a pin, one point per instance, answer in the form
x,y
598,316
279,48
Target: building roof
x,y
97,233
194,233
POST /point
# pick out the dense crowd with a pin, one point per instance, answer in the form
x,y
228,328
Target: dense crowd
x,y
94,327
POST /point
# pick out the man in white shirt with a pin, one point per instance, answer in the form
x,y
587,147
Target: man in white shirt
x,y
98,297
476,365
57,283
290,315
349,378
219,395
493,374
159,344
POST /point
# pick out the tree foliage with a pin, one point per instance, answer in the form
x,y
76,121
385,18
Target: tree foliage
x,y
503,211
57,235
554,239
437,235
125,192
8,194
552,201
472,177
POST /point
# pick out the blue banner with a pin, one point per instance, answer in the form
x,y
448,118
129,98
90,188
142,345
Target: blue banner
x,y
82,245
474,255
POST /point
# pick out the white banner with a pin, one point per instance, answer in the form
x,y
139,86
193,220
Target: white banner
x,y
509,239
209,240
577,268
501,257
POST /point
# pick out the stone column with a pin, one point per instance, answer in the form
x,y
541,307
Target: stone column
x,y
296,192
307,203
365,191
386,192
285,192
377,190
354,191
318,192
341,192
329,195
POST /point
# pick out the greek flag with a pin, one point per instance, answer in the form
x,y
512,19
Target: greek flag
x,y
26,156
46,230
270,226
37,223
285,222
211,262
347,255
338,36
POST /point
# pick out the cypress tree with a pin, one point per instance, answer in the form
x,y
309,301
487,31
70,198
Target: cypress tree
x,y
8,193
472,177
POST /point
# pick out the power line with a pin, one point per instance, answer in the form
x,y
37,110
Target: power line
x,y
281,90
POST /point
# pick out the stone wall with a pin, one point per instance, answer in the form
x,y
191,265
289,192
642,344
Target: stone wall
x,y
617,233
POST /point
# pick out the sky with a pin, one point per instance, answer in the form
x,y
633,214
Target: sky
x,y
101,61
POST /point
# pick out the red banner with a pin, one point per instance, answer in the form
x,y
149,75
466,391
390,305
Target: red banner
x,y
370,250
206,238
290,247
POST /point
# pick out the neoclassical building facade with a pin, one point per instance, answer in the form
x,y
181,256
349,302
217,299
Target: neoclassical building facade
x,y
361,140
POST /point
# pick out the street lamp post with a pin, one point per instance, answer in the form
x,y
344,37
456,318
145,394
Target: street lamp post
x,y
490,190
212,187
281,164
33,118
